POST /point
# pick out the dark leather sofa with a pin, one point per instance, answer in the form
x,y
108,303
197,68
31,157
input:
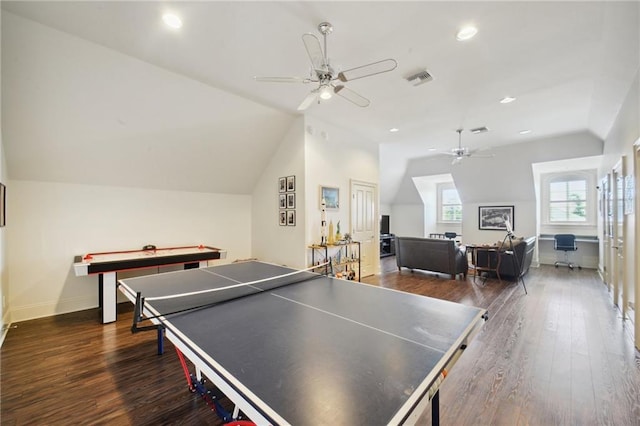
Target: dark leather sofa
x,y
523,249
431,254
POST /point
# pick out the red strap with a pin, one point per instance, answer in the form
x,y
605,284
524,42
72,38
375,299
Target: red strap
x,y
184,368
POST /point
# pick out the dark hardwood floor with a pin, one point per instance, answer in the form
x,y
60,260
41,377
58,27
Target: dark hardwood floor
x,y
560,355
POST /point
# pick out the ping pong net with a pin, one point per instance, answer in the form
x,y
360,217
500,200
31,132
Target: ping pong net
x,y
222,290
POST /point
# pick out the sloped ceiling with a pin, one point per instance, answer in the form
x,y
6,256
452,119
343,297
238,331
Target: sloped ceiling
x,y
569,64
77,112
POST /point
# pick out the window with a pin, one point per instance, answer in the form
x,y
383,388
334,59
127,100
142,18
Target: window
x,y
449,204
568,200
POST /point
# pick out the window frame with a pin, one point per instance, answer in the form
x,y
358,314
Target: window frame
x,y
591,201
439,204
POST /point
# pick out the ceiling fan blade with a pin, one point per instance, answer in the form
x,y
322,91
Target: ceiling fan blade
x,y
456,160
351,96
311,97
474,153
282,79
314,50
374,68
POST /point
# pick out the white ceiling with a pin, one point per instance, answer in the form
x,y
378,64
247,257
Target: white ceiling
x,y
569,64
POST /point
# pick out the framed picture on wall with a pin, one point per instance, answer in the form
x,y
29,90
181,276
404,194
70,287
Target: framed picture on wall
x,y
331,197
291,200
291,218
495,217
291,183
282,184
283,218
282,201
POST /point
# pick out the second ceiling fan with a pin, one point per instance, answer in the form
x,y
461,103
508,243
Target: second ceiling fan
x,y
329,81
462,151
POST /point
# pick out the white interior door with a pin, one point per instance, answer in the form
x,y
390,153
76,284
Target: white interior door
x,y
606,236
620,293
364,225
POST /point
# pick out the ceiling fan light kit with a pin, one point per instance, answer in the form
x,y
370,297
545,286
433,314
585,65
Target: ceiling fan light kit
x,y
325,76
325,92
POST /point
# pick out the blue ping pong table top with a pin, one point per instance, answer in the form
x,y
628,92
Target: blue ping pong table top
x,y
325,351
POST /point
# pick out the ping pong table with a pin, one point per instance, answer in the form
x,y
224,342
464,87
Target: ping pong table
x,y
317,351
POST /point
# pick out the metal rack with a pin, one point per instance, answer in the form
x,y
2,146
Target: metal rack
x,y
342,259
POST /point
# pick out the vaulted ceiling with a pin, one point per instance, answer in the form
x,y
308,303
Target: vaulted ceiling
x,y
568,64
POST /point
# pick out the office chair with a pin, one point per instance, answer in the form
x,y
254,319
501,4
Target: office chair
x,y
565,243
451,235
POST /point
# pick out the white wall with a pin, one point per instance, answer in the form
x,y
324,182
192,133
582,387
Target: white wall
x,y
317,153
524,225
271,242
50,223
334,156
408,220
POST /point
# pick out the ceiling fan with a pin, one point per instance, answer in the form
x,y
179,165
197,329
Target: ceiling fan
x,y
329,82
461,152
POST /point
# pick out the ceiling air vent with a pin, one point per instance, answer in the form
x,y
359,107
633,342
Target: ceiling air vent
x,y
477,130
419,78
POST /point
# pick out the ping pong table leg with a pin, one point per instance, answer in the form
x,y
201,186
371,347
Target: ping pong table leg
x,y
435,409
107,284
160,340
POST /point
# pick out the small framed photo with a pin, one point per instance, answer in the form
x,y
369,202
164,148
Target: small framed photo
x,y
499,218
282,202
283,217
291,200
291,183
331,197
291,218
282,184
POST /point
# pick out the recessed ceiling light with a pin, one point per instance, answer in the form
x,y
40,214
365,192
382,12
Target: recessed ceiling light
x,y
466,33
172,20
432,149
507,99
525,132
393,129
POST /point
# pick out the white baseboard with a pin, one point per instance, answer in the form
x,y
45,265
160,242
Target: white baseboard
x,y
47,309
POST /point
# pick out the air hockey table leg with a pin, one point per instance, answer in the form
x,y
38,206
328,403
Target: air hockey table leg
x,y
107,296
